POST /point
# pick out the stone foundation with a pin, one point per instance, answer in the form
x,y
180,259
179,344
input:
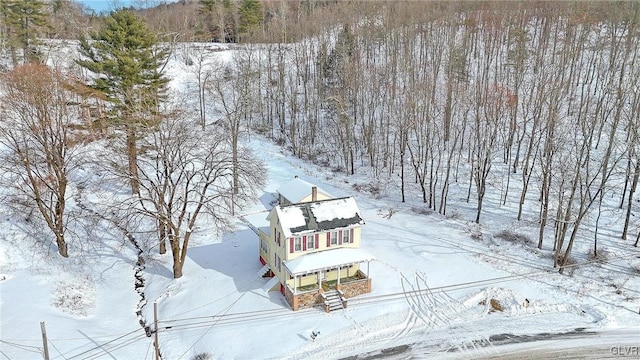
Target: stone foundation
x,y
355,288
314,297
304,299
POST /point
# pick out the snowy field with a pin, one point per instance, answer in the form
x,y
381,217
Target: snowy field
x,y
443,287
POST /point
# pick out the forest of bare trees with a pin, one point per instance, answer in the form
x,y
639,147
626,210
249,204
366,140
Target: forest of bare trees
x,y
537,102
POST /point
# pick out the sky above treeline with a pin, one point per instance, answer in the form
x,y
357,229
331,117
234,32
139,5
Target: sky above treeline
x,y
107,5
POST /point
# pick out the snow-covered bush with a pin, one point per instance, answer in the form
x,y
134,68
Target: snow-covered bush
x,y
75,297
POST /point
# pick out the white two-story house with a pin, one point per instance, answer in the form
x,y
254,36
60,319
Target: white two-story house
x,y
312,248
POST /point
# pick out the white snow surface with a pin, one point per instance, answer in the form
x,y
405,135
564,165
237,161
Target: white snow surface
x,y
437,282
327,259
291,216
345,208
297,189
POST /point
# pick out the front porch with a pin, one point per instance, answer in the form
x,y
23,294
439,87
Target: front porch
x,y
336,272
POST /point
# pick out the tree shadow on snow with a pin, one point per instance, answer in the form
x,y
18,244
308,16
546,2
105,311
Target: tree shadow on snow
x,y
237,256
269,200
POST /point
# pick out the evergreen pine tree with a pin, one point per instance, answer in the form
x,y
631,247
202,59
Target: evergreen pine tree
x,y
126,59
218,18
250,15
23,20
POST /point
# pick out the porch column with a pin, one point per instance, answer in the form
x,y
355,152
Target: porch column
x,y
295,284
368,269
339,268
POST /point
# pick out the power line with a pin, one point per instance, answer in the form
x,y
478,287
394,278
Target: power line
x,y
252,316
108,342
116,347
55,347
23,347
224,311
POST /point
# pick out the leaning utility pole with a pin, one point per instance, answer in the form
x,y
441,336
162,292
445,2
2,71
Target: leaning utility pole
x,y
155,325
44,341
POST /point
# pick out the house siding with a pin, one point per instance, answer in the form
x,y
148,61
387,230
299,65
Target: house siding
x,y
283,253
318,198
322,243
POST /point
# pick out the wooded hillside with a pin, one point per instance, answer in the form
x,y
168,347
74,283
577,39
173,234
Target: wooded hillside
x,y
538,101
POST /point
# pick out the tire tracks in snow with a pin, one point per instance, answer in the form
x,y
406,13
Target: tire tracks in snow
x,y
436,310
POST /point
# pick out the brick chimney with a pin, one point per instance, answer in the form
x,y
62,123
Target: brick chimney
x,y
314,194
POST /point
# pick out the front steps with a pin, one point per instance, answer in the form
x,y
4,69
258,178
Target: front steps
x,y
334,300
263,271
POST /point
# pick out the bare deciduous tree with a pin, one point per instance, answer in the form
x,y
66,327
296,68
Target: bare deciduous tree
x,y
36,128
186,176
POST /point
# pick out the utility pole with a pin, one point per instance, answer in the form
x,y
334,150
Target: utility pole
x,y
155,325
44,341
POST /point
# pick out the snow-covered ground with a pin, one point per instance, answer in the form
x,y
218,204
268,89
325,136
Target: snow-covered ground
x,y
443,287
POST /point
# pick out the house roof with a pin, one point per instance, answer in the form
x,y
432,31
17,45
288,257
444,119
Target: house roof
x,y
327,259
297,189
318,216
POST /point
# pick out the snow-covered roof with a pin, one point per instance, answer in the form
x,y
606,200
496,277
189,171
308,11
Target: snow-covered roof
x,y
319,216
327,259
297,189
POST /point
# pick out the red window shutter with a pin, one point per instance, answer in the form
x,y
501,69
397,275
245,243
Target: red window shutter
x,y
291,245
317,241
304,243
340,237
351,236
328,239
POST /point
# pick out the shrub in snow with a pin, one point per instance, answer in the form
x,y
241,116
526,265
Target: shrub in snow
x,y
495,305
75,298
422,210
635,267
372,189
202,356
387,213
600,256
512,237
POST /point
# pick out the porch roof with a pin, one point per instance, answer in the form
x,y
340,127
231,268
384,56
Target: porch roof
x,y
327,259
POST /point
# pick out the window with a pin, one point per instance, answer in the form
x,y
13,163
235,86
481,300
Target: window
x,y
334,238
278,237
297,244
264,247
310,242
345,236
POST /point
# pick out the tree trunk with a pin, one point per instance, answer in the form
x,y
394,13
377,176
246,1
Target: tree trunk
x,y
174,240
162,228
402,174
634,184
62,245
236,182
132,156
